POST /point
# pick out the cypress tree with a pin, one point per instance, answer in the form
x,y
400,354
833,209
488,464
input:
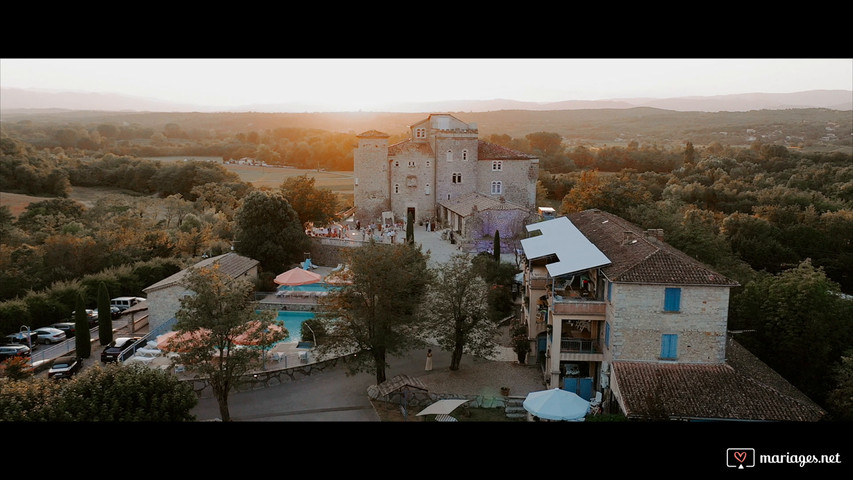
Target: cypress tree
x,y
105,317
497,246
82,337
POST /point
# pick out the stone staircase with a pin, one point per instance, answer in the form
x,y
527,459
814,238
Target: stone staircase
x,y
514,408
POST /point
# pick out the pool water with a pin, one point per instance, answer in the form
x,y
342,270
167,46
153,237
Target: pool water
x,y
311,287
293,323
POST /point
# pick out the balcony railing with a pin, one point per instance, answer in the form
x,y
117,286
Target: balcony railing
x,y
578,306
579,345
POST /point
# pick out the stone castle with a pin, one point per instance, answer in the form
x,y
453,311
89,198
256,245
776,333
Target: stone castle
x,y
443,173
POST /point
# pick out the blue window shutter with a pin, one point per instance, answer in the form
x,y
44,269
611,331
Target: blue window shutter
x,y
607,334
609,290
672,300
668,346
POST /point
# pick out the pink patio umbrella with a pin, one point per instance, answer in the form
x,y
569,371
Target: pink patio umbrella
x,y
171,341
298,276
252,335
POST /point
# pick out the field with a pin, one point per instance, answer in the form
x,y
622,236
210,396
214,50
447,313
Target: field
x,y
338,182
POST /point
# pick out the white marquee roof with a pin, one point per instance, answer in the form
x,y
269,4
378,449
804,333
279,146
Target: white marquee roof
x,y
560,237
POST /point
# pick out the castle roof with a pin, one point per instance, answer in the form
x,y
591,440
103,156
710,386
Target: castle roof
x,y
465,204
373,134
492,151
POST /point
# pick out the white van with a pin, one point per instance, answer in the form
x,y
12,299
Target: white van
x,y
123,303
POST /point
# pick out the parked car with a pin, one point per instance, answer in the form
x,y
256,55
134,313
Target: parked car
x,y
21,338
9,351
125,302
115,312
70,328
91,315
64,367
113,350
48,335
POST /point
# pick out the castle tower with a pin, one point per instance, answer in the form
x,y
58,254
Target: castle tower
x,y
371,181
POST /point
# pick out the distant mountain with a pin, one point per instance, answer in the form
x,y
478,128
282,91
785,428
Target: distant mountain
x,y
15,99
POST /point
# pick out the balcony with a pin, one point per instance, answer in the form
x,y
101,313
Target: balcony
x,y
580,350
579,306
579,345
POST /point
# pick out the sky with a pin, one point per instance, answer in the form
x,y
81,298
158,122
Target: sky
x,y
370,83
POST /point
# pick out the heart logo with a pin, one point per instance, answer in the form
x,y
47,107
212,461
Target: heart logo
x,y
740,456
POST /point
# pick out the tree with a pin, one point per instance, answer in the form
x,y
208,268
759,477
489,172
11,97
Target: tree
x,y
269,231
840,399
82,337
410,228
114,393
310,203
16,368
458,312
220,309
800,325
500,277
497,246
376,315
105,317
520,341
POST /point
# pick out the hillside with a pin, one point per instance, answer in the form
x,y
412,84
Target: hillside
x,y
599,126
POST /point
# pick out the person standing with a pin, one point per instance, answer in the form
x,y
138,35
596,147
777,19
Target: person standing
x,y
429,361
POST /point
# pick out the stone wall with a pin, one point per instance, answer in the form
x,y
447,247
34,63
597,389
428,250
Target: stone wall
x,y
272,376
637,321
163,304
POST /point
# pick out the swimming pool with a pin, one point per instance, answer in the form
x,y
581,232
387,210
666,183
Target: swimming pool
x,y
311,287
293,323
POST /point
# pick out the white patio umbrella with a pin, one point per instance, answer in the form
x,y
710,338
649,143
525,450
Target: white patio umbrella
x,y
556,404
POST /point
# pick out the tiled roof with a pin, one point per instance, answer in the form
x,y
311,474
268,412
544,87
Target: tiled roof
x,y
466,203
407,146
373,134
742,389
230,263
491,151
640,258
399,382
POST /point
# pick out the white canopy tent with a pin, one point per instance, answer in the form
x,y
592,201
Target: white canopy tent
x,y
442,408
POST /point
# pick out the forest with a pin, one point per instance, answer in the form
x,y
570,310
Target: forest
x,y
770,207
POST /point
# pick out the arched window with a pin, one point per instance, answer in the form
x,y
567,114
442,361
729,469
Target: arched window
x,y
497,188
449,155
396,188
464,155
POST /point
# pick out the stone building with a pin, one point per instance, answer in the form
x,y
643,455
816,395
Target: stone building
x,y
614,310
442,165
164,296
